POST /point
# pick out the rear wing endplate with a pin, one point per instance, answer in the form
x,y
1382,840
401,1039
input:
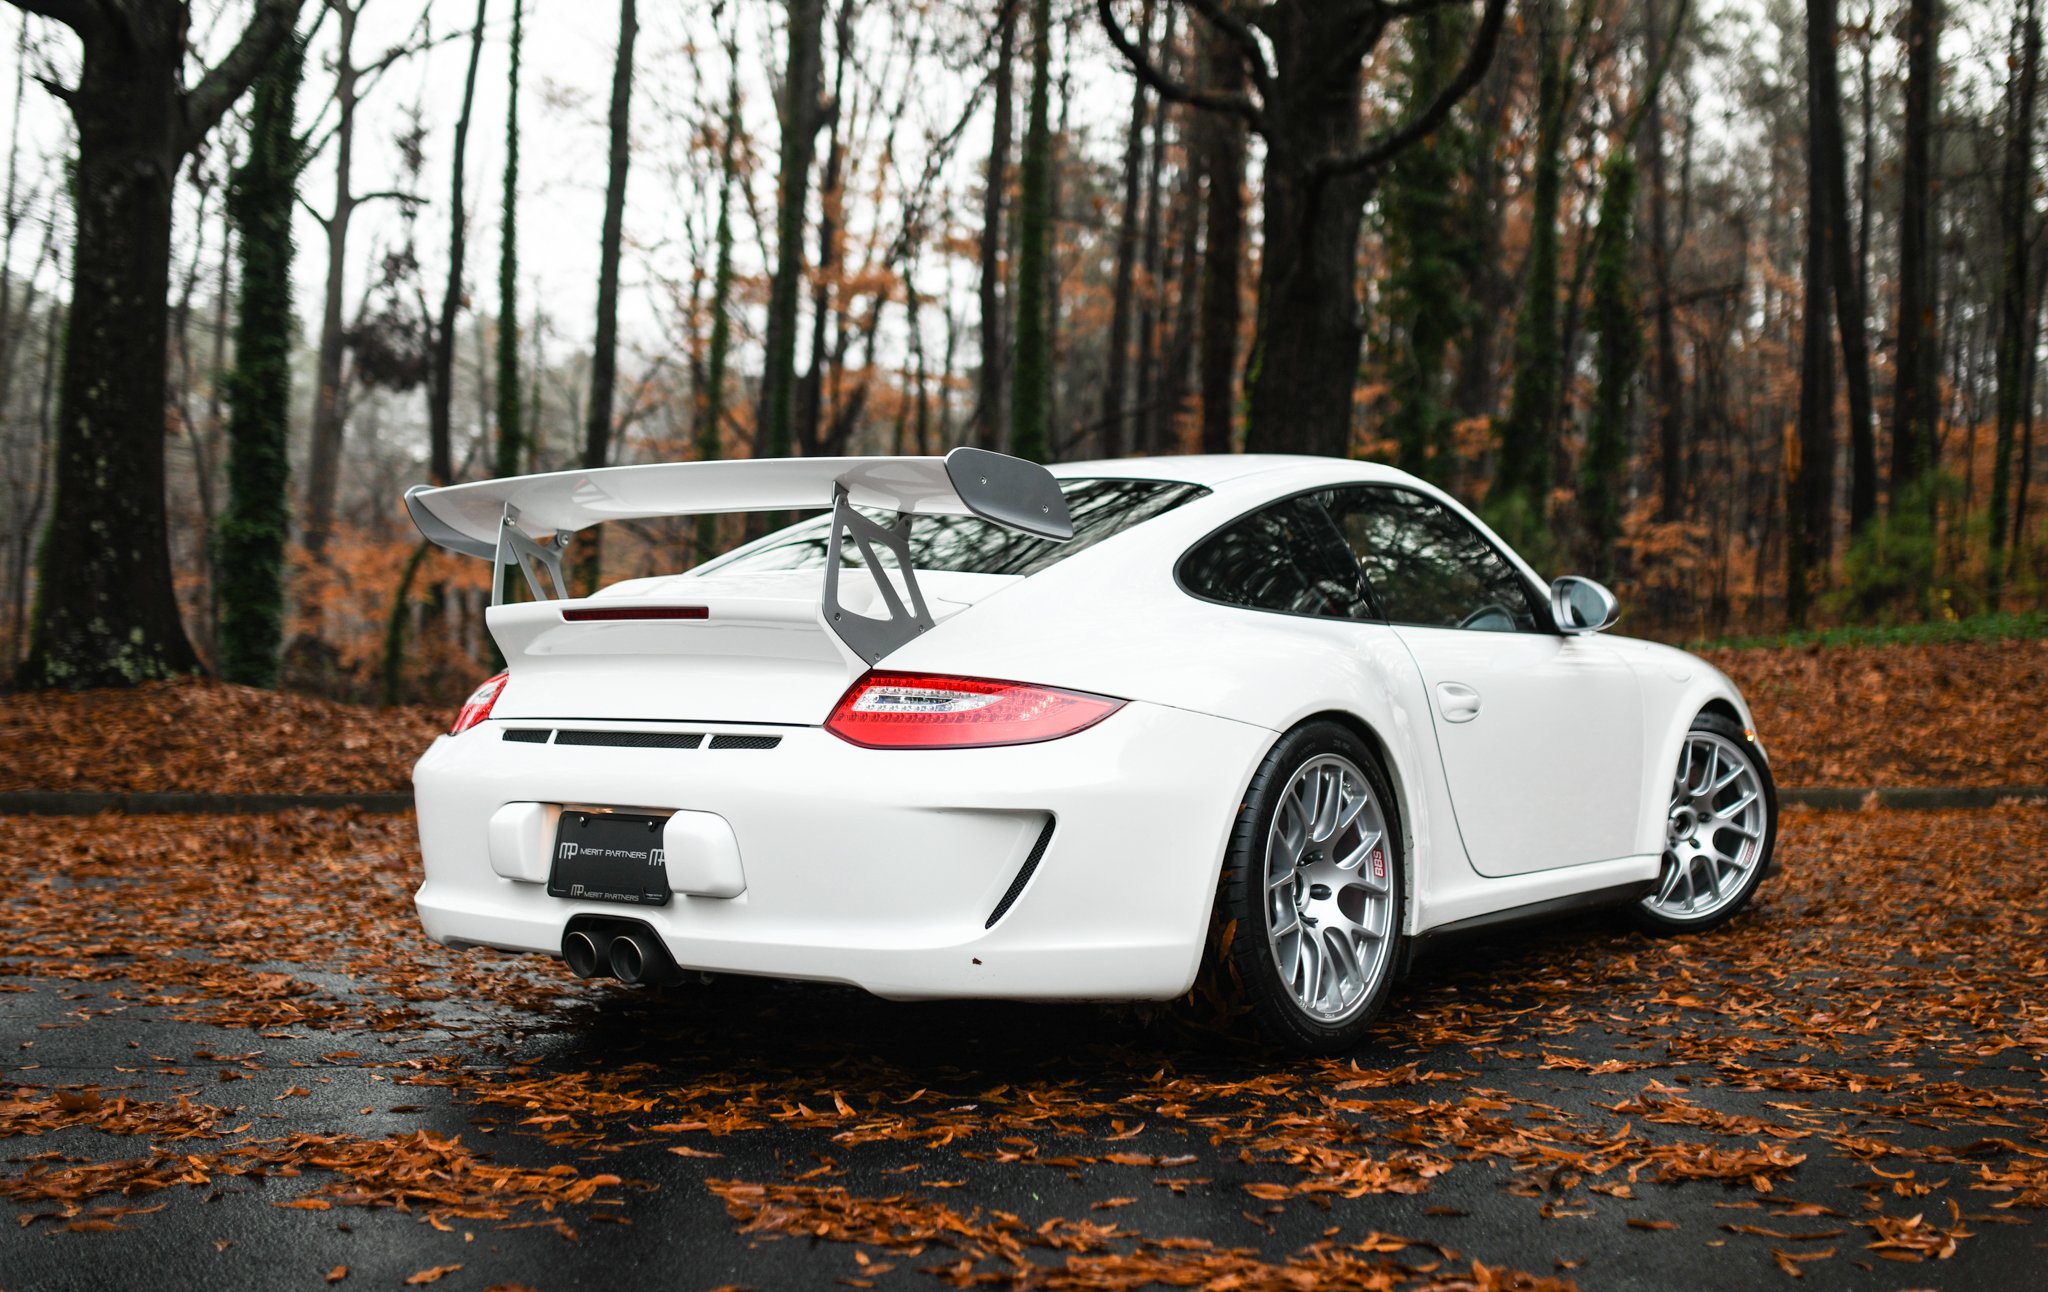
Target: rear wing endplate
x,y
528,520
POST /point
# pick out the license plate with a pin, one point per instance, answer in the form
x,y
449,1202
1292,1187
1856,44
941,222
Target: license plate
x,y
609,857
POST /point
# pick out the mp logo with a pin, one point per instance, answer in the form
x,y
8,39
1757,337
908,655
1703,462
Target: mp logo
x,y
569,850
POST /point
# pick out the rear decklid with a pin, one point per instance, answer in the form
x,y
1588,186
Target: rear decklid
x,y
700,648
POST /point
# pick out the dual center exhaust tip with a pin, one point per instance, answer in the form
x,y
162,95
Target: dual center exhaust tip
x,y
629,955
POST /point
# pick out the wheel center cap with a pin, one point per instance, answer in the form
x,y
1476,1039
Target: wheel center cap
x,y
1684,821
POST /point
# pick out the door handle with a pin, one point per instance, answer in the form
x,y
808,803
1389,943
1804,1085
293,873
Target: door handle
x,y
1457,702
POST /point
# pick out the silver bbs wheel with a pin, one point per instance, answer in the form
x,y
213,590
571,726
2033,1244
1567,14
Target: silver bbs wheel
x,y
1329,896
1714,831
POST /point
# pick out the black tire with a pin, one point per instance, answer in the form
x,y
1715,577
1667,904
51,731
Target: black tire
x,y
1243,952
1646,915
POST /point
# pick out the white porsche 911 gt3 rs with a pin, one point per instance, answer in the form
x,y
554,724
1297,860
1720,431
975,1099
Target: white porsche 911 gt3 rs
x,y
986,730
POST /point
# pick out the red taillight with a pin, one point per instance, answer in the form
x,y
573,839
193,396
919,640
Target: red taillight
x,y
920,711
478,706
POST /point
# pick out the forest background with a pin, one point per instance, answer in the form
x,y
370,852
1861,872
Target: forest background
x,y
1735,304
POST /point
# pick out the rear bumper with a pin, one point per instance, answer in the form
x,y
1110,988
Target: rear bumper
x,y
881,868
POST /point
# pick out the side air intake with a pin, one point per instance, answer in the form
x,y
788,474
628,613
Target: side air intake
x,y
1023,873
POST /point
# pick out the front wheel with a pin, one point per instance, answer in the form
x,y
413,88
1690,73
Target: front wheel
x,y
1313,890
1719,830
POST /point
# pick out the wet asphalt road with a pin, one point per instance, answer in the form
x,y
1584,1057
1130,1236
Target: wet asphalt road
x,y
824,1088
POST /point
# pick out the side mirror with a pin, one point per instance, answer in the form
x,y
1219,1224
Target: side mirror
x,y
1580,605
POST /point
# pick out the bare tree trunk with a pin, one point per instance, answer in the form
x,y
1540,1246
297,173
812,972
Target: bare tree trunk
x,y
1829,153
1055,272
1665,377
1523,473
510,422
947,361
1222,143
913,307
1866,165
1914,394
10,217
1180,343
2026,452
1476,390
604,354
441,387
1117,379
991,413
1031,399
28,514
258,518
106,608
1152,257
711,419
323,467
1810,479
2016,214
810,402
800,121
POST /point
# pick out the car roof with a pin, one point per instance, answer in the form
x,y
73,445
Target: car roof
x,y
1216,470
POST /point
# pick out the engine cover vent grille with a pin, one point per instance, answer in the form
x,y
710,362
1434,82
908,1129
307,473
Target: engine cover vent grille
x,y
637,739
632,739
745,742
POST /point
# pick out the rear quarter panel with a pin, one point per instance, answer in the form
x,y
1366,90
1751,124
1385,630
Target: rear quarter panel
x,y
1112,620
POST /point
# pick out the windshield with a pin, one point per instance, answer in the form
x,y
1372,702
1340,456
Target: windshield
x,y
971,545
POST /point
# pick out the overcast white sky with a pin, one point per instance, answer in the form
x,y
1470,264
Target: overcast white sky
x,y
567,79
567,73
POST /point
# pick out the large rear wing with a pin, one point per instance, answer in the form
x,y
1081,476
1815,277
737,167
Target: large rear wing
x,y
528,520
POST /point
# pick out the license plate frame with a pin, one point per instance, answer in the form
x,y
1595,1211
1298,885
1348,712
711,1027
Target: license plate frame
x,y
615,857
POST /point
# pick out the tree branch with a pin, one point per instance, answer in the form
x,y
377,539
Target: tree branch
x,y
1238,30
59,91
1167,87
1655,81
79,15
1346,60
206,103
1412,8
1389,144
421,46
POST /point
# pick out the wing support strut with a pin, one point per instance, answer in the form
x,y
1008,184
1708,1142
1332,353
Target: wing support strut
x,y
865,635
539,562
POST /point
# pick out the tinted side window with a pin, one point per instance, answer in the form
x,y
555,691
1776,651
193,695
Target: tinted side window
x,y
1286,557
1428,566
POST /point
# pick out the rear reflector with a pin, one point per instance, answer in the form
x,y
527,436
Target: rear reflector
x,y
923,711
604,613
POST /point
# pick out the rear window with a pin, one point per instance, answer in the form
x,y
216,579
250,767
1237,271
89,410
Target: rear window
x,y
971,545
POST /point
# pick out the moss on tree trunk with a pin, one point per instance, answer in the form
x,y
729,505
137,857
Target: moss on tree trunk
x,y
251,537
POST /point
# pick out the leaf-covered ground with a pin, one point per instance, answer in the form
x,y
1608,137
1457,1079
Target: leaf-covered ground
x,y
1939,714
1957,713
230,1058
208,737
